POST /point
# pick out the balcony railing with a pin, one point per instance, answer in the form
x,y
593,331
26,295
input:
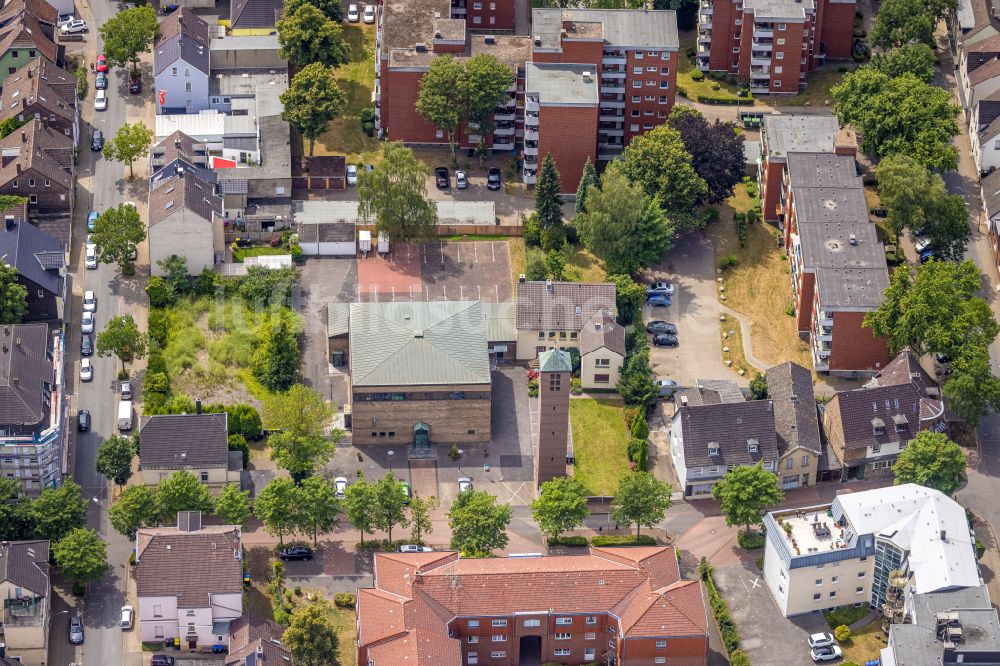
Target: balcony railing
x,y
758,34
610,118
613,89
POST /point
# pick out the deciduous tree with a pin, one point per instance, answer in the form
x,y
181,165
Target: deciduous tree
x,y
129,33
560,507
487,83
300,410
276,361
13,296
630,296
277,506
745,493
917,59
116,234
716,151
394,196
900,22
182,491
311,637
420,517
390,504
129,143
330,8
233,505
312,101
659,162
932,460
442,96
640,499
307,37
623,226
973,389
359,505
58,511
15,521
478,524
300,454
138,506
122,338
82,556
114,458
319,507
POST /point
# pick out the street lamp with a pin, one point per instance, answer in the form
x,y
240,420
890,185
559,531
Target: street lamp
x,y
460,452
391,453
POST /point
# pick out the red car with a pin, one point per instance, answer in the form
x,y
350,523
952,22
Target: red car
x,y
102,63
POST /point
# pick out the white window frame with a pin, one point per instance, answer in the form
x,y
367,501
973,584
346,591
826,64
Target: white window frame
x,y
498,623
499,638
563,621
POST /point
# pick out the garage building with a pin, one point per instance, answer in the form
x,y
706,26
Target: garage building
x,y
326,228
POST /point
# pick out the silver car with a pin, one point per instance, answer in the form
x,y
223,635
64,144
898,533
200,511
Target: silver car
x,y
126,390
75,630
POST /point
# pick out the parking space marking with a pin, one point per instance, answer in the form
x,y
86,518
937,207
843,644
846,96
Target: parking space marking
x,y
394,294
475,251
479,292
514,494
424,250
442,254
461,292
497,288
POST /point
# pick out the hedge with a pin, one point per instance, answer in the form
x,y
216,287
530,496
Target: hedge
x,y
727,628
570,541
380,544
344,600
731,101
641,540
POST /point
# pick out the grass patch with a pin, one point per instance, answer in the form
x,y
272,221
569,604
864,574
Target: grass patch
x,y
621,540
582,266
865,644
759,287
817,90
599,441
844,615
685,66
242,253
518,259
345,623
152,647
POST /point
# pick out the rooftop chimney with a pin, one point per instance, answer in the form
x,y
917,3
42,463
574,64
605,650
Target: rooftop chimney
x,y
587,78
854,239
24,137
684,401
520,278
197,406
944,535
548,286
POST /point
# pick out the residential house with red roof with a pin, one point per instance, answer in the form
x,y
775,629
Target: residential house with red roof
x,y
614,605
27,31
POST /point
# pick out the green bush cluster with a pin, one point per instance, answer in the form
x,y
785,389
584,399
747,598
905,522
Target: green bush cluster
x,y
697,75
842,633
742,229
727,627
239,443
728,261
569,541
345,600
380,545
845,615
750,540
281,608
682,92
980,549
631,540
739,658
367,118
730,101
638,450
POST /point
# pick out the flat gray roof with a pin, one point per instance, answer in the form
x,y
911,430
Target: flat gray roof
x,y
917,644
562,84
785,9
851,288
449,212
245,43
823,170
823,205
620,27
830,245
798,134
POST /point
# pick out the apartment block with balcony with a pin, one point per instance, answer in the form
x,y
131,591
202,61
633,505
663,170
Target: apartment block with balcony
x,y
613,605
33,408
783,135
27,602
773,44
847,552
838,267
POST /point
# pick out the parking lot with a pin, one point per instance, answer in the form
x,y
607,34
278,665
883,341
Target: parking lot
x,y
438,271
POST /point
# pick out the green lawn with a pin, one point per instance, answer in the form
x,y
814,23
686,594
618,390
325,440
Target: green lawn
x,y
583,267
243,252
685,67
865,644
817,90
599,441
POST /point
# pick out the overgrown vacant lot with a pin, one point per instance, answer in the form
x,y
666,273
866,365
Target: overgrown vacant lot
x,y
599,444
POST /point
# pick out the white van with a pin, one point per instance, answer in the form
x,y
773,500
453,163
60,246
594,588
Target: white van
x,y
125,415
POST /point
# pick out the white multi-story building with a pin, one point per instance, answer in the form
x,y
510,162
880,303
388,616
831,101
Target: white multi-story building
x,y
843,553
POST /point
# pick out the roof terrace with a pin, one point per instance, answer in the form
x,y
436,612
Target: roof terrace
x,y
812,530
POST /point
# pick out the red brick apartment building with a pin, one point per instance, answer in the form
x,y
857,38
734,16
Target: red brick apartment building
x,y
623,62
773,44
783,135
620,606
838,264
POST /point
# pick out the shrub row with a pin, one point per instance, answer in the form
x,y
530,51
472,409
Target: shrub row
x,y
731,101
344,600
570,541
750,541
641,540
742,230
380,544
720,609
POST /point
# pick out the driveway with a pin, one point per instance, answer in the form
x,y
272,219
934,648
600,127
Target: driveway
x,y
695,311
324,280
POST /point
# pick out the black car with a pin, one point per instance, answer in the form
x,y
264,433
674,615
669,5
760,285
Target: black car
x,y
86,345
493,179
661,327
296,553
83,420
442,178
135,85
97,141
101,81
665,340
162,660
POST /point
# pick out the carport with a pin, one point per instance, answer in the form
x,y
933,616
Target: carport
x,y
327,228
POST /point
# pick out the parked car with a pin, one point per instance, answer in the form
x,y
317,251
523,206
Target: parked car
x,y
89,301
922,244
442,178
75,630
101,100
86,370
102,63
296,553
86,345
92,220
369,14
943,358
90,257
460,180
411,548
660,288
126,390
134,84
83,420
828,653
658,326
97,140
821,640
927,255
169,9
658,300
406,491
664,340
162,660
340,483
128,617
101,81
464,483
73,27
64,19
493,179
922,230
87,322
352,174
353,15
667,387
